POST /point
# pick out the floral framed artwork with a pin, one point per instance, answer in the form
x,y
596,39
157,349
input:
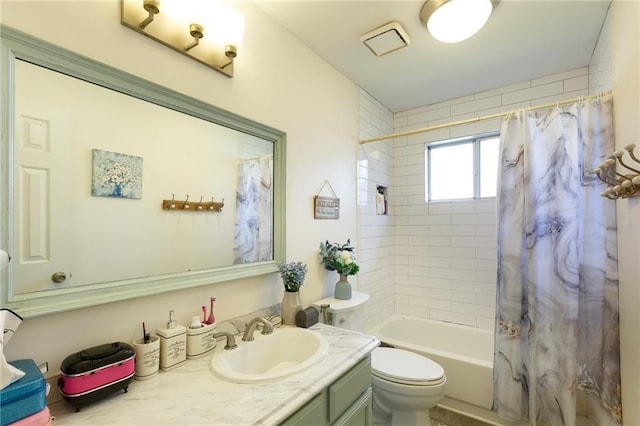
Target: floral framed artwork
x,y
116,175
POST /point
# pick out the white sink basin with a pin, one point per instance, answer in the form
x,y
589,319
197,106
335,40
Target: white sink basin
x,y
268,357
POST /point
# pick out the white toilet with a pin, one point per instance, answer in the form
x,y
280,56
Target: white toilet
x,y
405,385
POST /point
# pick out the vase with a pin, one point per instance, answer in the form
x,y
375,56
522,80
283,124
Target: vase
x,y
343,289
291,304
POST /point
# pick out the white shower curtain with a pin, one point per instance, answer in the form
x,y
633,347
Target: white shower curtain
x,y
557,330
254,212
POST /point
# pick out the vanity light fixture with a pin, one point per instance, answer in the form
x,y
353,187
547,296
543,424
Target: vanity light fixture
x,y
194,28
451,21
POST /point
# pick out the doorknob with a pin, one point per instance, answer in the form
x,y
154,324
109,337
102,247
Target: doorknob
x,y
58,277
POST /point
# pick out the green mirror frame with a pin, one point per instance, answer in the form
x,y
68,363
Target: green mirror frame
x,y
21,46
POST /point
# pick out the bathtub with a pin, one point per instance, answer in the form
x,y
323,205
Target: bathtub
x,y
465,353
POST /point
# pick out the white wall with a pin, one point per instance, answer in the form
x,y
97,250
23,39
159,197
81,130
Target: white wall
x,y
279,82
626,103
445,252
375,167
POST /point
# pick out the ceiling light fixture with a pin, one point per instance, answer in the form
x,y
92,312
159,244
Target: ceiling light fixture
x,y
196,29
386,39
451,21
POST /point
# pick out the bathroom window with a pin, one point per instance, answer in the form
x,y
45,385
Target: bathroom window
x,y
462,168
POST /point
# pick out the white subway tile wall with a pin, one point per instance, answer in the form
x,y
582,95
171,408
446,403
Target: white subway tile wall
x,y
601,66
376,232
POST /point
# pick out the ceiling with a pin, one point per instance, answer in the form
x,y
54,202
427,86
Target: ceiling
x,y
522,40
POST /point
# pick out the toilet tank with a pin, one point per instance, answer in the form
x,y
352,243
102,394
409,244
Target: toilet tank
x,y
347,314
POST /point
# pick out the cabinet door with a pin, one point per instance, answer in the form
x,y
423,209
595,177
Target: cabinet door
x,y
346,390
359,414
314,413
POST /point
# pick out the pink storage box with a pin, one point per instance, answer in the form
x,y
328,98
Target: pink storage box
x,y
92,374
41,418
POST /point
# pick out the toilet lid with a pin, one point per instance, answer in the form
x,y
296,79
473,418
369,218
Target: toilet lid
x,y
400,366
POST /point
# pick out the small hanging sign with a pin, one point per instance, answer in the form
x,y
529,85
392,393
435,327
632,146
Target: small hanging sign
x,y
326,207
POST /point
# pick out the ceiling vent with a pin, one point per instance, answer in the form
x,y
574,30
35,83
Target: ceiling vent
x,y
386,39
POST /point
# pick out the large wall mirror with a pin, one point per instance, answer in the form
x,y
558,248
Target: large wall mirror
x,y
114,187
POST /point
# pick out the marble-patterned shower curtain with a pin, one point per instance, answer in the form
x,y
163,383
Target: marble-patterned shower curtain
x,y
557,330
254,211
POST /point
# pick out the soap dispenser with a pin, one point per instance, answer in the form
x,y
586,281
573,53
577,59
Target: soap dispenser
x,y
173,344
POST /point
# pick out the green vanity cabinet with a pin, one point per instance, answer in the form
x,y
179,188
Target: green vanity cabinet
x,y
346,402
314,413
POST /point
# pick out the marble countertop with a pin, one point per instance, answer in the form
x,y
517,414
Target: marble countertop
x,y
192,395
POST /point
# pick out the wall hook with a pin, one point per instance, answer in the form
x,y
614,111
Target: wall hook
x,y
186,205
620,185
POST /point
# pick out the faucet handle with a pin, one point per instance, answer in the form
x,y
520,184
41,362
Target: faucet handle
x,y
275,320
267,327
231,339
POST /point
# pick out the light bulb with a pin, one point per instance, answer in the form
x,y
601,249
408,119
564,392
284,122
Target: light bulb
x,y
457,20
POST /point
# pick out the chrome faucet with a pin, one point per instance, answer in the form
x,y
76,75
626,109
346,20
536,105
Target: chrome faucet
x,y
231,339
251,327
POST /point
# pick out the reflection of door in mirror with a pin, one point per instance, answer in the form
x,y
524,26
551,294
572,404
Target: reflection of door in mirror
x,y
61,227
42,167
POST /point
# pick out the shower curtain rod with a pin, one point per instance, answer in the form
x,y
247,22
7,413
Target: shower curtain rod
x,y
475,119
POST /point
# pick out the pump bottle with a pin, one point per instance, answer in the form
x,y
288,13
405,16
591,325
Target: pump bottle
x,y
173,344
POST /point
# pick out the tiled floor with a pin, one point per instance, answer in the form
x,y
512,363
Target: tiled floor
x,y
442,417
451,412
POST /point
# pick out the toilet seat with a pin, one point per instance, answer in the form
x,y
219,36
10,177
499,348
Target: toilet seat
x,y
404,367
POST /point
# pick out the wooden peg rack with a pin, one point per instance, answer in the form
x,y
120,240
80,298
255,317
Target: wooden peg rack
x,y
193,206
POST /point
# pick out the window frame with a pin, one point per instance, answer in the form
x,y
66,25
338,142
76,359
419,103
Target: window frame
x,y
475,140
